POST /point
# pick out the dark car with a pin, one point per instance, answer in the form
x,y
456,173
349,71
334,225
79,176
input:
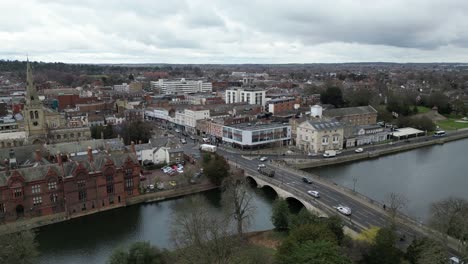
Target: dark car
x,y
306,180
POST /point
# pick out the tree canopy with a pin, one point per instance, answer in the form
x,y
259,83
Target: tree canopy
x,y
18,248
139,253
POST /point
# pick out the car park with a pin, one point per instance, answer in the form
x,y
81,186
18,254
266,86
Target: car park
x,y
344,210
306,180
315,194
263,158
359,150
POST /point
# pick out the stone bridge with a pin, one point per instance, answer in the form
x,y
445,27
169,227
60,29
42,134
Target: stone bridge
x,y
287,194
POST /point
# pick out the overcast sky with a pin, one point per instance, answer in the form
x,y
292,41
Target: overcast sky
x,y
234,31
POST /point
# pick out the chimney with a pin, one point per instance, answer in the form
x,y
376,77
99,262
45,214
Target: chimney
x,y
90,154
133,147
37,156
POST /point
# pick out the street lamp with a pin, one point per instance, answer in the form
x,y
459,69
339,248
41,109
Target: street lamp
x,y
354,183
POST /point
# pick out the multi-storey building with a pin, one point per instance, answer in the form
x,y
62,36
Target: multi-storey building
x,y
249,135
319,135
187,118
280,105
241,95
181,87
81,185
356,116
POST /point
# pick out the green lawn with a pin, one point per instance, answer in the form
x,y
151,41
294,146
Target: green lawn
x,y
450,124
423,109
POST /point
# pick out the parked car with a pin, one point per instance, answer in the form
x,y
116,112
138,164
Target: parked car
x,y
173,183
151,187
261,165
344,210
177,130
180,170
306,180
314,194
183,141
359,150
263,158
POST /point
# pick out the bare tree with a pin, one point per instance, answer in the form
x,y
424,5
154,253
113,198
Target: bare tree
x,y
237,200
449,217
395,202
199,235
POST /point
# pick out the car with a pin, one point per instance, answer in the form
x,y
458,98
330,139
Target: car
x,y
343,209
180,170
307,180
359,150
174,167
183,141
167,169
263,158
171,173
173,183
160,186
192,137
314,194
151,187
177,130
261,165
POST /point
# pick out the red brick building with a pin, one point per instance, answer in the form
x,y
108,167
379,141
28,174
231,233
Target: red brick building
x,y
81,184
281,105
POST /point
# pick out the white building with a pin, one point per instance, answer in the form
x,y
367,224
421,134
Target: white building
x,y
188,118
250,96
248,135
124,87
319,135
158,113
182,87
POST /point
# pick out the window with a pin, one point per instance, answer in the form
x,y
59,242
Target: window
x,y
36,188
110,188
31,114
53,197
36,114
3,209
81,183
336,139
37,200
82,195
129,185
325,141
52,185
129,172
18,192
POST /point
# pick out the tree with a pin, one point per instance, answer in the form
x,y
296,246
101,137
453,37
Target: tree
x,y
216,168
368,235
18,248
449,217
384,250
335,224
304,217
280,214
361,97
238,201
311,252
332,95
136,131
394,203
426,251
441,101
199,236
139,253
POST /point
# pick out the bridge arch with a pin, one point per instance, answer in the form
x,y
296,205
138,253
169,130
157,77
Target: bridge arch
x,y
295,205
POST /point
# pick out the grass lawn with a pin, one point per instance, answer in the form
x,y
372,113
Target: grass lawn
x,y
423,109
450,124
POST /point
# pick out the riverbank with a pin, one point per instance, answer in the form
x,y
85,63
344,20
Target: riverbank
x,y
378,152
36,222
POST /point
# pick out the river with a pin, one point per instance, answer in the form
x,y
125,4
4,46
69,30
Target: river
x,y
91,239
424,175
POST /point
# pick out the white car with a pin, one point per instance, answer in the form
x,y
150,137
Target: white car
x,y
344,210
261,165
314,194
180,170
359,150
263,158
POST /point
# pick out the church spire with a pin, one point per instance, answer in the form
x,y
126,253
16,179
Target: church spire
x,y
31,89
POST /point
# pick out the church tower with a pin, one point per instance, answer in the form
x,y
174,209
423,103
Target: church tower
x,y
33,112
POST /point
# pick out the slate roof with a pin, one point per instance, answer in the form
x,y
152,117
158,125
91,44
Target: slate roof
x,y
325,124
359,110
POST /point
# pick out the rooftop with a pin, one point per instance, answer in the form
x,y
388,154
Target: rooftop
x,y
359,110
253,126
325,124
407,131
